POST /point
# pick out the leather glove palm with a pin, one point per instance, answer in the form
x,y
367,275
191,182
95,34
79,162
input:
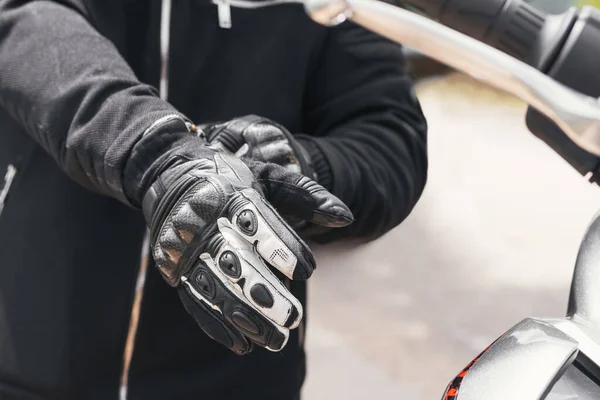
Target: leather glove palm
x,y
215,234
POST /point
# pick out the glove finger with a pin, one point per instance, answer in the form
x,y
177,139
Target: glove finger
x,y
295,223
238,262
242,151
278,152
267,132
255,220
229,138
250,130
261,131
212,323
204,286
299,196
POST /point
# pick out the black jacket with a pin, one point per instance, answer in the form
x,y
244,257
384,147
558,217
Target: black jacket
x,y
78,83
71,76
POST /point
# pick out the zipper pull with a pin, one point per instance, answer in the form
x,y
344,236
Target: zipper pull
x,y
224,12
11,171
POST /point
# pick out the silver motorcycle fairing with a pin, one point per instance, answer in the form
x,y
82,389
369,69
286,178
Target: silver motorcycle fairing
x,y
585,288
521,364
530,360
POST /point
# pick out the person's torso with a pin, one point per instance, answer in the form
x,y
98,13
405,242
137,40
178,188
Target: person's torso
x,y
57,237
259,65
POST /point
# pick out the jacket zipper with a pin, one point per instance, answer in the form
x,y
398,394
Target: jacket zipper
x,y
9,177
165,30
165,37
135,315
224,12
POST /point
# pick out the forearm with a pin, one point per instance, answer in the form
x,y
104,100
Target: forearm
x,y
72,92
367,125
378,170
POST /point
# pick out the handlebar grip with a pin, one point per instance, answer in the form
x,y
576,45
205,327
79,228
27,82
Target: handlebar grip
x,y
512,26
564,46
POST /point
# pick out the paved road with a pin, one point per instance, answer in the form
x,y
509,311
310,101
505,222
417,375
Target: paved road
x,y
492,241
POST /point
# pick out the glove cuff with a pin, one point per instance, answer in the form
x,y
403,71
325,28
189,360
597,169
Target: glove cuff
x,y
318,159
167,140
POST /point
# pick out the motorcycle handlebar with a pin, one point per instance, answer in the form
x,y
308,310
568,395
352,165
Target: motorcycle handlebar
x,y
576,114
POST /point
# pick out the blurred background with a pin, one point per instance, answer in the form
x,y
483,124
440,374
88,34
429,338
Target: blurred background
x,y
493,240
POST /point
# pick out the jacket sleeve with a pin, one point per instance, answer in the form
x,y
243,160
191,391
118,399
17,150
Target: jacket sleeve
x,y
72,92
368,133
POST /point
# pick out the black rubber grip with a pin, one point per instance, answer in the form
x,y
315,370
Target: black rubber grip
x,y
511,26
518,30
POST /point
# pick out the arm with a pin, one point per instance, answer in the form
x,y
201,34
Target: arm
x,y
70,89
369,143
212,220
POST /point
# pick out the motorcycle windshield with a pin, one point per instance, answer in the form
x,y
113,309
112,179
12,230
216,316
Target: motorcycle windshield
x,y
574,385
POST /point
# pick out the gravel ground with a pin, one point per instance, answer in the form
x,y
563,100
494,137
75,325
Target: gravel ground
x,y
492,241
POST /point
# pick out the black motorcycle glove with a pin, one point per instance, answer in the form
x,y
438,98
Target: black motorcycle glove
x,y
215,235
260,139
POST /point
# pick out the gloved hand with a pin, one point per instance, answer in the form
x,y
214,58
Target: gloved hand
x,y
260,139
215,234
